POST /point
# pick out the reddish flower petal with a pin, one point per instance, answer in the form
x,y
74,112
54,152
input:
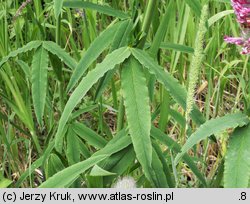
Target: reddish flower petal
x,y
234,40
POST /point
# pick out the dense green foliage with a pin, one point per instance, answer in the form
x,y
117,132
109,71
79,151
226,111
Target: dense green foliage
x,y
92,91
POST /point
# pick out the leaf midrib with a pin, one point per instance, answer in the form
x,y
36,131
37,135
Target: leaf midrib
x,y
136,99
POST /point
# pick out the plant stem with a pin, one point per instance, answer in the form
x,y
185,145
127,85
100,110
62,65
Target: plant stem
x,y
160,34
147,21
121,112
58,41
237,99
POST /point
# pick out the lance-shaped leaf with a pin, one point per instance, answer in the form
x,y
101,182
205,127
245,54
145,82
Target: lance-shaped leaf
x,y
119,40
60,53
28,47
137,108
109,63
96,48
91,137
99,8
39,81
237,162
67,176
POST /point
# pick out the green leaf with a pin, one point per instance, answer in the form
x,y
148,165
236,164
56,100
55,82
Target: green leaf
x,y
237,161
213,127
120,164
58,4
73,147
97,7
56,65
137,108
120,39
109,63
157,172
83,149
96,48
90,136
98,171
177,47
164,166
219,16
4,183
39,81
28,47
25,67
54,165
195,5
161,31
60,53
118,143
177,91
67,176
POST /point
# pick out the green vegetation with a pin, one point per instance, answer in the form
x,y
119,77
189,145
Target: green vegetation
x,y
92,91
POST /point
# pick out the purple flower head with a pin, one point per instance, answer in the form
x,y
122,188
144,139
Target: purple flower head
x,y
242,11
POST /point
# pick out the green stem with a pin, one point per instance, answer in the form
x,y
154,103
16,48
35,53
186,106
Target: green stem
x,y
121,112
6,28
36,142
58,41
58,30
161,33
154,49
147,21
114,95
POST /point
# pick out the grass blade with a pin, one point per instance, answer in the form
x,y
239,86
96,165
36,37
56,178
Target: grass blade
x,y
213,126
219,16
177,47
99,8
195,5
175,147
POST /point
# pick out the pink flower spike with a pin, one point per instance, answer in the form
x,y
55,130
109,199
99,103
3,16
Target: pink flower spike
x,y
242,11
234,40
